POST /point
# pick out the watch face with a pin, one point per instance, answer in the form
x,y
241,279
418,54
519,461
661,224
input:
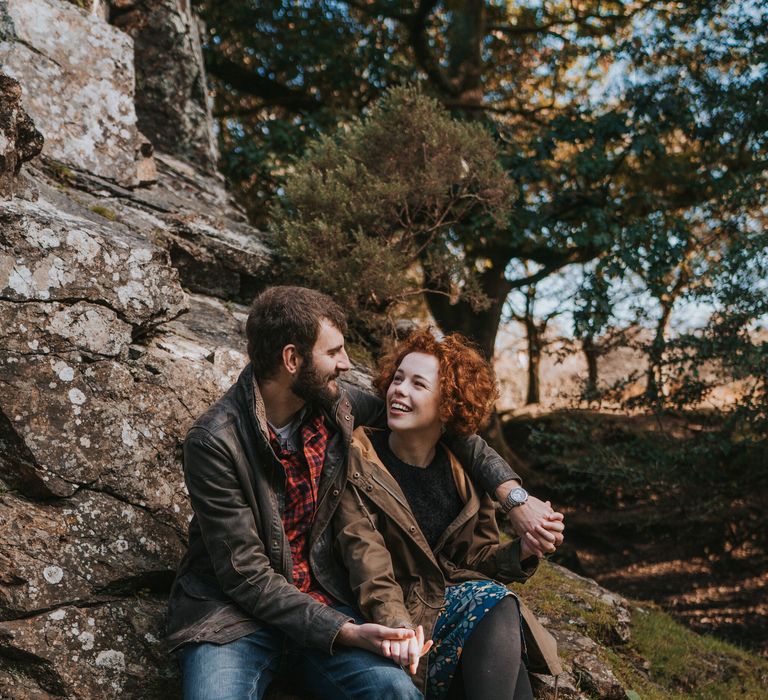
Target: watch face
x,y
520,495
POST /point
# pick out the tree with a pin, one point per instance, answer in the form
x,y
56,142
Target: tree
x,y
521,308
589,154
361,207
591,318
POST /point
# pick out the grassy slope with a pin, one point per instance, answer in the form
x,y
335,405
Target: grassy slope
x,y
663,658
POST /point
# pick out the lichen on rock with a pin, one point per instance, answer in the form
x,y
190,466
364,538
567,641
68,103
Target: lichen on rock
x,y
78,76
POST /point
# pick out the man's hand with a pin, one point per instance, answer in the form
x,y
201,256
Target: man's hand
x,y
375,638
542,540
536,519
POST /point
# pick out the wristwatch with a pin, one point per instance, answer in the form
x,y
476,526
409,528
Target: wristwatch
x,y
516,497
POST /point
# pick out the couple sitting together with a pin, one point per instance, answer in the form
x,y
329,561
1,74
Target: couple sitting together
x,y
348,542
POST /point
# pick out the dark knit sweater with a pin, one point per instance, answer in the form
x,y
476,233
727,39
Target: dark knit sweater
x,y
430,491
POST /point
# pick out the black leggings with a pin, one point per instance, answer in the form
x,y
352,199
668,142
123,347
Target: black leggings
x,y
491,665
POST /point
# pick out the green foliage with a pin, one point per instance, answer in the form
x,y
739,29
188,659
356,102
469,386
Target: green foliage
x,y
625,129
362,207
710,480
285,73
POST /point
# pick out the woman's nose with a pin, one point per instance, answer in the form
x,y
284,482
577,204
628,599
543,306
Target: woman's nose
x,y
400,389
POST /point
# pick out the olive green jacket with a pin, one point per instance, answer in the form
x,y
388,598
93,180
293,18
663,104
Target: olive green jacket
x,y
398,580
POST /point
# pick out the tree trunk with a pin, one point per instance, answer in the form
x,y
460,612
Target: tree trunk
x,y
591,354
533,336
479,326
465,36
655,389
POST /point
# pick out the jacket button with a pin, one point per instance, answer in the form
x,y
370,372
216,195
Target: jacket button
x,y
412,528
335,492
356,475
275,544
346,418
369,488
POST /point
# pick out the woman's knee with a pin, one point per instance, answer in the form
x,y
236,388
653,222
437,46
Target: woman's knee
x,y
498,630
506,613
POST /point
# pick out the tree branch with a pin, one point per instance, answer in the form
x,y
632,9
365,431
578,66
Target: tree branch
x,y
417,24
269,91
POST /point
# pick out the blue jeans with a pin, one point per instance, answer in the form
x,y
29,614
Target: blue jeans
x,y
243,669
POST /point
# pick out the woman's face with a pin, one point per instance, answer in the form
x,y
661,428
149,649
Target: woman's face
x,y
413,397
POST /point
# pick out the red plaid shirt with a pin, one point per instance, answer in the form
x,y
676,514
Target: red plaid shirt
x,y
302,470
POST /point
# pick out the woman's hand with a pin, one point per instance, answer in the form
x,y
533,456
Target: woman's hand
x,y
376,638
544,538
537,518
407,653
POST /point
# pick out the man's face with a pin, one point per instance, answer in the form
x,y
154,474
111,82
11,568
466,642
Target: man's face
x,y
316,379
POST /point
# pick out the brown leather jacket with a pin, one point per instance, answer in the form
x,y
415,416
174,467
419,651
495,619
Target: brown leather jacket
x,y
236,574
397,578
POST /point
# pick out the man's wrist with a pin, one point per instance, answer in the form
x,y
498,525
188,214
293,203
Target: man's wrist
x,y
517,497
503,489
346,633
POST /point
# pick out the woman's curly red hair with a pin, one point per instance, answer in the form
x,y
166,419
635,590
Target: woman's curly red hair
x,y
468,388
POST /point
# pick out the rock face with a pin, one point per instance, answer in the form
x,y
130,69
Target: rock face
x,y
587,671
107,354
56,50
172,103
105,362
19,140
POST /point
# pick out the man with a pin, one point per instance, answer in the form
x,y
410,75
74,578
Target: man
x,y
259,592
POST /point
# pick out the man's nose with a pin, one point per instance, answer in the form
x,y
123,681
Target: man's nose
x,y
342,364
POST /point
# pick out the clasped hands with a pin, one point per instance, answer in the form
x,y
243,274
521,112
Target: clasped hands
x,y
404,646
540,527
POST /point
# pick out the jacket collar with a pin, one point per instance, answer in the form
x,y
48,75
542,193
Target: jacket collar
x,y
466,489
340,414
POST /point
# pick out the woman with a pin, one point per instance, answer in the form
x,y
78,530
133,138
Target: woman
x,y
421,542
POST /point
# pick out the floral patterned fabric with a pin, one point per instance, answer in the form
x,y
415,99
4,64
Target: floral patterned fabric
x,y
465,605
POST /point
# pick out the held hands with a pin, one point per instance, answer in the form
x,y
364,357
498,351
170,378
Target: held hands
x,y
403,646
407,653
542,540
539,526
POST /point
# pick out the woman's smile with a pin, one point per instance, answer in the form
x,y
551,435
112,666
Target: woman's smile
x,y
413,397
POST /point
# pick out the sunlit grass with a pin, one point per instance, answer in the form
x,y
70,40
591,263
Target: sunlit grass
x,y
664,660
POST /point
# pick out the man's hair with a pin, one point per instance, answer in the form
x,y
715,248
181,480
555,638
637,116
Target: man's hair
x,y
467,382
285,315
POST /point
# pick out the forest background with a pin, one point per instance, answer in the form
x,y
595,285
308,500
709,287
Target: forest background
x,y
580,188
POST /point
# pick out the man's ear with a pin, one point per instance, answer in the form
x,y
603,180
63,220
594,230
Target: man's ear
x,y
291,359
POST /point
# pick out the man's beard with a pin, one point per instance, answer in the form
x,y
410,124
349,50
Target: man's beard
x,y
313,388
